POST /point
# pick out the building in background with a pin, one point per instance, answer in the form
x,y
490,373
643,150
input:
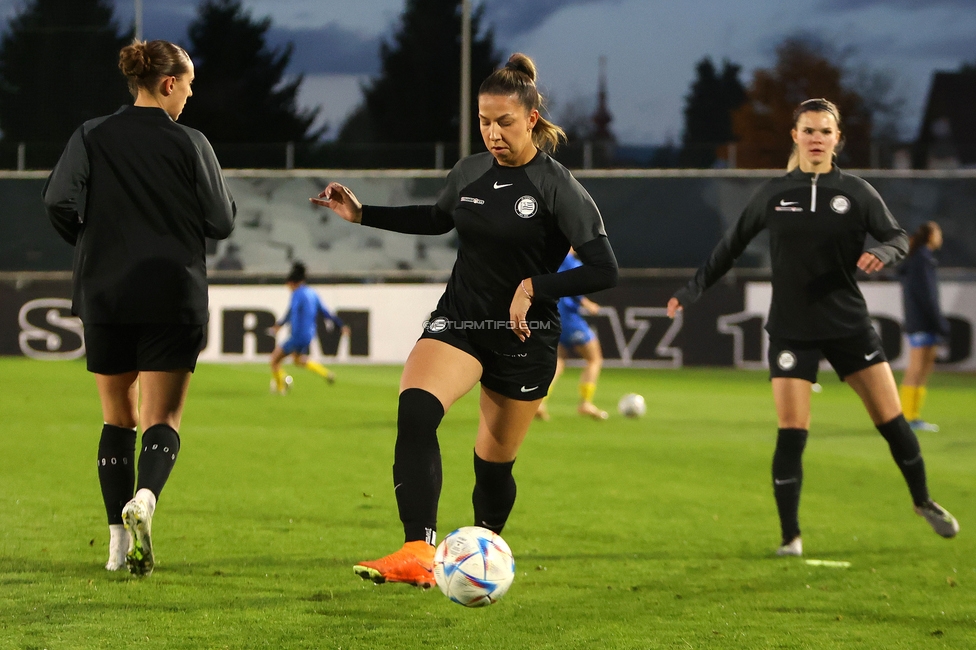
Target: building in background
x,y
947,137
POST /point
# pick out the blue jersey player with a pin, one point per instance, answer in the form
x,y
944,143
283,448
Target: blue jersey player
x,y
302,316
579,337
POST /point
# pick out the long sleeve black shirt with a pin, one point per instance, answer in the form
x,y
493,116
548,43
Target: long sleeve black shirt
x,y
136,194
512,223
818,224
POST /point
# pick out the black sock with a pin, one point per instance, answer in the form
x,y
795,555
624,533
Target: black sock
x,y
494,493
908,456
160,447
116,469
417,464
788,479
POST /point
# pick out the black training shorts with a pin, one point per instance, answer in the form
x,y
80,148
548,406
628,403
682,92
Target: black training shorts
x,y
801,359
114,349
521,372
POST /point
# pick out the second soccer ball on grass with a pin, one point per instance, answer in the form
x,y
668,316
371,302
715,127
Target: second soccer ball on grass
x,y
631,405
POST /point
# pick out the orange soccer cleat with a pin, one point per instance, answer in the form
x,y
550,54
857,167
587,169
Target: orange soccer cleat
x,y
412,564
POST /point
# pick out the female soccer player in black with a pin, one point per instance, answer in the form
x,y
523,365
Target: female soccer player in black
x,y
924,322
516,211
136,194
818,217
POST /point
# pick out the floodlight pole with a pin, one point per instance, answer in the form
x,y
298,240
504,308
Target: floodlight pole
x,y
464,146
138,20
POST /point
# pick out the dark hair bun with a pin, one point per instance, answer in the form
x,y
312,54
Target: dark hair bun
x,y
522,63
134,60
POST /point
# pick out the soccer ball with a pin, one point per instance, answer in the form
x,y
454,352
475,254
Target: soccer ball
x,y
632,405
473,566
274,385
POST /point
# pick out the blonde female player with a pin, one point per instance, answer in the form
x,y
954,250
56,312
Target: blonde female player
x,y
137,194
818,217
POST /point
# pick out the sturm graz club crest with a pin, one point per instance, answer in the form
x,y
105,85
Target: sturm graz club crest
x,y
840,204
526,207
786,360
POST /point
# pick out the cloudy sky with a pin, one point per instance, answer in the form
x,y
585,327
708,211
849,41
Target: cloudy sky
x,y
651,45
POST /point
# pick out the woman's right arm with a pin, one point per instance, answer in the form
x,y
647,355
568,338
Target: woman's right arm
x,y
729,248
65,190
410,219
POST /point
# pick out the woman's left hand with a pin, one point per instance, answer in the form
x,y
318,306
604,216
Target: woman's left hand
x,y
869,263
519,309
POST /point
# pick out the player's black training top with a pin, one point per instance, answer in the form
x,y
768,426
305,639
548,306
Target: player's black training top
x,y
920,293
136,194
817,227
512,223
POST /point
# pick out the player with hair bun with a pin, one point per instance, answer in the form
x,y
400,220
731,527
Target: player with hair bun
x,y
818,218
517,212
136,194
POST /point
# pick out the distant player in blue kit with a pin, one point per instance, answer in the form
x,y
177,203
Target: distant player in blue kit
x,y
578,336
302,315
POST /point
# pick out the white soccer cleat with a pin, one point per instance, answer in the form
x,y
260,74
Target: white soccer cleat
x,y
137,518
941,521
922,425
793,549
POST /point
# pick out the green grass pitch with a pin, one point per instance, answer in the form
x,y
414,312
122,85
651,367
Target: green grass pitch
x,y
650,533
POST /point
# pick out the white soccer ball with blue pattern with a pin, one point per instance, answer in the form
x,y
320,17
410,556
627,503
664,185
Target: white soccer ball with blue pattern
x,y
473,566
632,405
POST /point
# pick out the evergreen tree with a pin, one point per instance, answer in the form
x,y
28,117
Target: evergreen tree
x,y
239,95
708,112
59,67
415,99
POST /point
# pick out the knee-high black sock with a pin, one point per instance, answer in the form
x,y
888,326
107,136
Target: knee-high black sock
x,y
417,464
160,447
788,479
908,456
494,493
116,469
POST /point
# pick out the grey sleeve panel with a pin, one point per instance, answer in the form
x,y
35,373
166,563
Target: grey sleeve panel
x,y
461,175
576,213
882,226
216,202
729,248
66,189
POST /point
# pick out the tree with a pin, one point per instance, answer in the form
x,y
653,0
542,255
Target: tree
x,y
59,67
708,112
805,68
239,94
415,97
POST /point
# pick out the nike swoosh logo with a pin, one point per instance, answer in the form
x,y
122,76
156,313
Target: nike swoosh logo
x,y
784,481
868,357
498,187
528,390
788,203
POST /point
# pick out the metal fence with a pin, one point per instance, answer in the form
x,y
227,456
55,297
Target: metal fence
x,y
654,218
